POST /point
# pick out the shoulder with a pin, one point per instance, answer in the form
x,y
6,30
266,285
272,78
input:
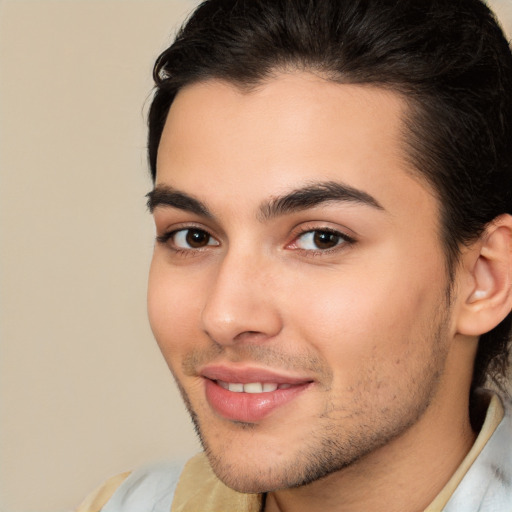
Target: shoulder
x,y
96,499
150,488
487,485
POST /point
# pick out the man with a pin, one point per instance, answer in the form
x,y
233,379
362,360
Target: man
x,y
332,277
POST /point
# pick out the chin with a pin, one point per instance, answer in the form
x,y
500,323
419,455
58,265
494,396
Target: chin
x,y
241,478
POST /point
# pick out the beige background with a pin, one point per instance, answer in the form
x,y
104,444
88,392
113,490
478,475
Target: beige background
x,y
84,392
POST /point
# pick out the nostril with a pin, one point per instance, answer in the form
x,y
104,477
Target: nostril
x,y
250,336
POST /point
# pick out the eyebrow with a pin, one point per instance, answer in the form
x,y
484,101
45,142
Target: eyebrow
x,y
316,194
163,195
300,199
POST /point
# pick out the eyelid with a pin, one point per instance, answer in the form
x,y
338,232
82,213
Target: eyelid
x,y
297,232
169,233
347,240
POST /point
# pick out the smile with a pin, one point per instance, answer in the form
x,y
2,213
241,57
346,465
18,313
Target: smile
x,y
253,399
252,387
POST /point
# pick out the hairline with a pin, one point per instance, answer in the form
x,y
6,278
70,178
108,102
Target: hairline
x,y
412,108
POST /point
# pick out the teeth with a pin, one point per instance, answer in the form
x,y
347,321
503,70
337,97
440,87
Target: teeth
x,y
252,387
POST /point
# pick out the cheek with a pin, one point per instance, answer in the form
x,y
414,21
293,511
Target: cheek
x,y
173,309
353,320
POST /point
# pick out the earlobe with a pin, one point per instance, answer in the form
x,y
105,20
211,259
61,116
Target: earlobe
x,y
487,293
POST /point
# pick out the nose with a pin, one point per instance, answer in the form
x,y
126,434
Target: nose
x,y
241,305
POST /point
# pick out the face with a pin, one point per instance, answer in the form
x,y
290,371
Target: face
x,y
298,285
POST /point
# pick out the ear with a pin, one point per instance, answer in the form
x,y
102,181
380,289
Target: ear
x,y
486,286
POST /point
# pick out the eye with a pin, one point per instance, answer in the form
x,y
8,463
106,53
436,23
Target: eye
x,y
320,240
188,239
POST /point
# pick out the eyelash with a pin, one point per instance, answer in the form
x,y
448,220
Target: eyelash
x,y
343,241
166,239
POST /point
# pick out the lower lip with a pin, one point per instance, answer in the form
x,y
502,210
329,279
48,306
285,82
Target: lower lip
x,y
248,407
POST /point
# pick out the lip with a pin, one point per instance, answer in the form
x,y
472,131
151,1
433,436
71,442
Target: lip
x,y
249,407
247,374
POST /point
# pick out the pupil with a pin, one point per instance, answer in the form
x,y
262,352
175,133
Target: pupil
x,y
197,238
325,240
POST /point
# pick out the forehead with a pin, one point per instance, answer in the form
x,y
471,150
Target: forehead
x,y
231,145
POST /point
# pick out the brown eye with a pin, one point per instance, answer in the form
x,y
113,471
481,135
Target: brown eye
x,y
326,240
192,239
318,240
196,238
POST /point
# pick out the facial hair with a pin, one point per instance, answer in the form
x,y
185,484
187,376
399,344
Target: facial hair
x,y
330,447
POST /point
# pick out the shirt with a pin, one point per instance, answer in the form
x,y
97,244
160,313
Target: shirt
x,y
482,482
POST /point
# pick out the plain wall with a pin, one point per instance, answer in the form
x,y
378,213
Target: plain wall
x,y
84,392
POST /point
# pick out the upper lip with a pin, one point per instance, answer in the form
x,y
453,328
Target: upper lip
x,y
249,374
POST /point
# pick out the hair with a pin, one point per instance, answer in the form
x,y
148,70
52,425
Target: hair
x,y
449,59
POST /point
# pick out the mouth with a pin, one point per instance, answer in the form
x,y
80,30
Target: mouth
x,y
252,387
249,395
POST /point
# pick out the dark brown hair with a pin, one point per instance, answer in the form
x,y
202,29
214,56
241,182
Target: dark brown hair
x,y
448,58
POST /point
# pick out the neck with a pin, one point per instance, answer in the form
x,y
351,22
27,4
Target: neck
x,y
405,475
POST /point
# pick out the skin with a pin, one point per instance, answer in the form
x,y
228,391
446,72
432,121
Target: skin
x,y
366,321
